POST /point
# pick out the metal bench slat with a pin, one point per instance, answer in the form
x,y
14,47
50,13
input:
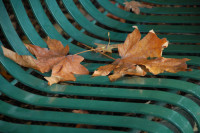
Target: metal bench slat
x,y
167,10
9,127
103,105
162,91
147,19
78,16
64,117
95,13
174,2
10,32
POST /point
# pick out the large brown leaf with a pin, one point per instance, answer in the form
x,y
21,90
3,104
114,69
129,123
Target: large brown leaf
x,y
149,46
55,58
141,56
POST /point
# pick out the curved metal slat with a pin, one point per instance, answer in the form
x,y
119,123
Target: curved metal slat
x,y
174,2
102,105
50,30
195,74
95,13
183,102
9,65
78,16
64,117
19,47
183,49
167,10
147,19
25,23
68,27
10,32
42,85
143,82
33,82
89,26
8,127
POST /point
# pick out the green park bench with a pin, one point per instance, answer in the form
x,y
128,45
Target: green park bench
x,y
168,102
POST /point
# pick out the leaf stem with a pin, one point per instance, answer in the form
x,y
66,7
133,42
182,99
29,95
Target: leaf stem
x,y
85,51
109,39
108,56
91,49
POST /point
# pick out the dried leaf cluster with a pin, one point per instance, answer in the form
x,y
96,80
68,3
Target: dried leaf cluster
x,y
55,58
138,56
141,56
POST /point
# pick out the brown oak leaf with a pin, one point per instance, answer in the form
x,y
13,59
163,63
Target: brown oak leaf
x,y
141,56
55,58
135,6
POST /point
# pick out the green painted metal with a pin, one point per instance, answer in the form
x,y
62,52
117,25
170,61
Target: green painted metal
x,y
63,117
94,105
67,26
50,30
9,31
95,13
160,90
174,2
18,46
78,16
10,64
29,80
147,19
195,74
144,82
26,24
167,10
86,24
167,97
22,128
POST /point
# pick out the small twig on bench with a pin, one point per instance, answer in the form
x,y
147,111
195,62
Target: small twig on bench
x,y
92,49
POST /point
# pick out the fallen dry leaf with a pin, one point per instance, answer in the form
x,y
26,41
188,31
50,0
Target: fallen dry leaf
x,y
135,6
80,111
63,66
66,68
141,56
4,73
149,46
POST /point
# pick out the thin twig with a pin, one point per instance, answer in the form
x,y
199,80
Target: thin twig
x,y
92,49
86,45
108,56
85,51
109,39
